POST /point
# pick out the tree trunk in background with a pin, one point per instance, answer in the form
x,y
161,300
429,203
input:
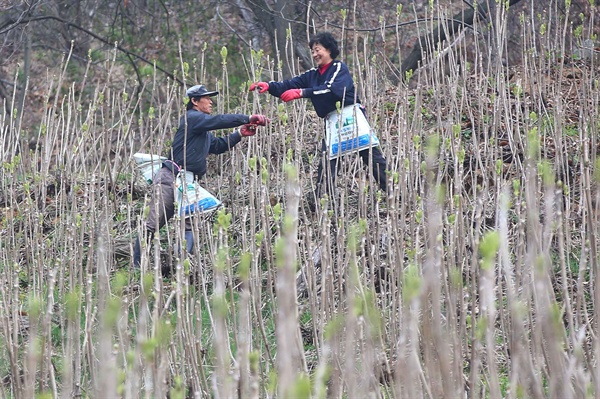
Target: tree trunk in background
x,y
428,43
533,12
276,19
252,26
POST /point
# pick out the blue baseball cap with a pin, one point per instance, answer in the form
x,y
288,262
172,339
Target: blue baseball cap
x,y
200,91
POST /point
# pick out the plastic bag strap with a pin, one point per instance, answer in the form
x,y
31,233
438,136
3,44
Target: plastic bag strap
x,y
172,166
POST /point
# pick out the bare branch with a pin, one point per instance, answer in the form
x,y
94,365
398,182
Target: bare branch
x,y
103,40
218,11
13,23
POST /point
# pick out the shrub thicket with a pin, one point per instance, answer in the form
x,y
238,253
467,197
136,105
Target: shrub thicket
x,y
476,277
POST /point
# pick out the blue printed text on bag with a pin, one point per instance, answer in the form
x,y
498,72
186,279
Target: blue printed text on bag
x,y
348,131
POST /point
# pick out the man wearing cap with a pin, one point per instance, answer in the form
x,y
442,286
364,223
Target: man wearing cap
x,y
191,145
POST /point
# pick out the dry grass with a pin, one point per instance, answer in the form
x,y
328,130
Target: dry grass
x,y
476,278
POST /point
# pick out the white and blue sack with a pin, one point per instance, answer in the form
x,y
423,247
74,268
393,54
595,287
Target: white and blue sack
x,y
348,131
148,164
191,198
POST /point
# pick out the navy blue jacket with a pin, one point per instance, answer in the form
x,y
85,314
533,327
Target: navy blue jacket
x,y
200,141
323,90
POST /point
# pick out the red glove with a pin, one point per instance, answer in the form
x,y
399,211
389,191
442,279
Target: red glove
x,y
291,94
259,120
248,130
261,86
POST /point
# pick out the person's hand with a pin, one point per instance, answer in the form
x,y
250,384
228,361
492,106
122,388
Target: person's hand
x,y
259,120
261,86
248,130
291,94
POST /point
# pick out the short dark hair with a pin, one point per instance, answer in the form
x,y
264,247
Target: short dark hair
x,y
326,40
190,104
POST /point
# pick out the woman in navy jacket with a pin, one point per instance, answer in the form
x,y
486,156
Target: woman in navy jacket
x,y
328,83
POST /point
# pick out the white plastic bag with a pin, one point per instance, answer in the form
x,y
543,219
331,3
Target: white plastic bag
x,y
191,197
348,131
148,164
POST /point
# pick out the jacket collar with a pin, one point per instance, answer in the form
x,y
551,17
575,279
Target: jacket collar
x,y
323,68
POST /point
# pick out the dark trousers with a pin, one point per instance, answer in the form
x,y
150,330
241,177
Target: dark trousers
x,y
162,209
374,154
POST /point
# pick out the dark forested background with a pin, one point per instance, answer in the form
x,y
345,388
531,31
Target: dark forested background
x,y
36,35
